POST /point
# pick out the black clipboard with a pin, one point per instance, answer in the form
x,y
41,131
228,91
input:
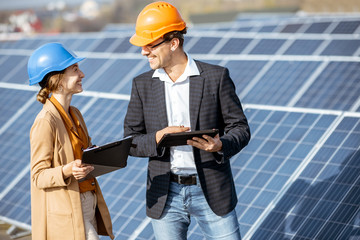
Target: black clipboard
x,y
178,139
108,157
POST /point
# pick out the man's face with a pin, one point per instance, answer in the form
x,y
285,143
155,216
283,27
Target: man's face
x,y
158,53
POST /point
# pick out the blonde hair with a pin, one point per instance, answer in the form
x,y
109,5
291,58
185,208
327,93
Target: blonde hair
x,y
49,84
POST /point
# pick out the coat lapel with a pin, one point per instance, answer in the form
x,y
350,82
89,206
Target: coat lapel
x,y
196,93
158,90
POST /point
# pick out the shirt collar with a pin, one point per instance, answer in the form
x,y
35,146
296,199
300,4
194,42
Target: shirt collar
x,y
191,69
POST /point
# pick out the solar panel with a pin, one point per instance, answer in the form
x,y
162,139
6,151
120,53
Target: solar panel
x,y
337,87
267,28
322,203
87,44
346,27
267,46
299,176
104,45
318,27
280,82
234,46
303,47
113,72
204,45
342,48
291,28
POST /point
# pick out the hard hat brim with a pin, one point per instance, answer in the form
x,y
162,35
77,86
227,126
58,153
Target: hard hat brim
x,y
140,41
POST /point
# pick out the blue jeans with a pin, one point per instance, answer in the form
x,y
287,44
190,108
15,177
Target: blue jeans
x,y
188,200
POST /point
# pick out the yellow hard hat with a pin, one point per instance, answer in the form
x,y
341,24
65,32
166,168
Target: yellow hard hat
x,y
155,20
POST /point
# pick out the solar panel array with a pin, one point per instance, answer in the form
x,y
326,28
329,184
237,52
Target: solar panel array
x,y
298,78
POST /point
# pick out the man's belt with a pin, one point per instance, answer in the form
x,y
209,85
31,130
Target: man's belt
x,y
183,179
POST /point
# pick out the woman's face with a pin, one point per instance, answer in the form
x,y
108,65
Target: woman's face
x,y
72,80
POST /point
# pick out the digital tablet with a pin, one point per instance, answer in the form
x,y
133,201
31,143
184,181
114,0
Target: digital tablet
x,y
178,139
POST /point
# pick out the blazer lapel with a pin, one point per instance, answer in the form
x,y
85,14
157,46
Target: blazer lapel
x,y
196,93
158,91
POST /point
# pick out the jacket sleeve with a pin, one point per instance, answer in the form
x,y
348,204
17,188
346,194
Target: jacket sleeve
x,y
43,172
236,129
134,125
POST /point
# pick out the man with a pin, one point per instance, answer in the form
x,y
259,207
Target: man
x,y
180,94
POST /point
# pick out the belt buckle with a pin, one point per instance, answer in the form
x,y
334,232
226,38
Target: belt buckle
x,y
179,179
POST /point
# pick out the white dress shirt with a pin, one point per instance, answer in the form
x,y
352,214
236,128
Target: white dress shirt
x,y
178,113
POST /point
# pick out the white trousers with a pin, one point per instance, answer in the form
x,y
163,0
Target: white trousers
x,y
88,204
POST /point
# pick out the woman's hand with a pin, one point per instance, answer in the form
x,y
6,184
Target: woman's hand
x,y
77,169
80,170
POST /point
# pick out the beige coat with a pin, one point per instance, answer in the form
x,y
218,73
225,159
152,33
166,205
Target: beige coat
x,y
55,204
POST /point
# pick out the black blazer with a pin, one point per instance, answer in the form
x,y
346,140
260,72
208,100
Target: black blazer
x,y
213,104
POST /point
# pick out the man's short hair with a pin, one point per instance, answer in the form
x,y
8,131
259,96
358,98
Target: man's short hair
x,y
176,34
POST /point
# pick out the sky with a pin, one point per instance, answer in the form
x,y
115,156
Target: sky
x,y
28,4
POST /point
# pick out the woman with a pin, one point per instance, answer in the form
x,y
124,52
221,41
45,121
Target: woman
x,y
62,206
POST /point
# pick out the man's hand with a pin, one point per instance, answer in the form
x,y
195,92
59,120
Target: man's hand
x,y
171,129
207,143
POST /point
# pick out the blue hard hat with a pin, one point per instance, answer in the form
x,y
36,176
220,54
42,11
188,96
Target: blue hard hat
x,y
48,58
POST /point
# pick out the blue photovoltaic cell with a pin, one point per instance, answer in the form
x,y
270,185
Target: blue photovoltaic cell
x,y
267,28
318,27
280,83
303,47
16,204
242,72
11,101
104,45
9,44
15,147
112,75
18,73
105,120
216,62
337,87
79,101
223,29
187,39
244,29
323,202
69,42
124,193
341,48
234,46
85,44
291,28
35,43
7,66
123,46
89,66
6,44
346,27
30,44
263,174
267,46
204,45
